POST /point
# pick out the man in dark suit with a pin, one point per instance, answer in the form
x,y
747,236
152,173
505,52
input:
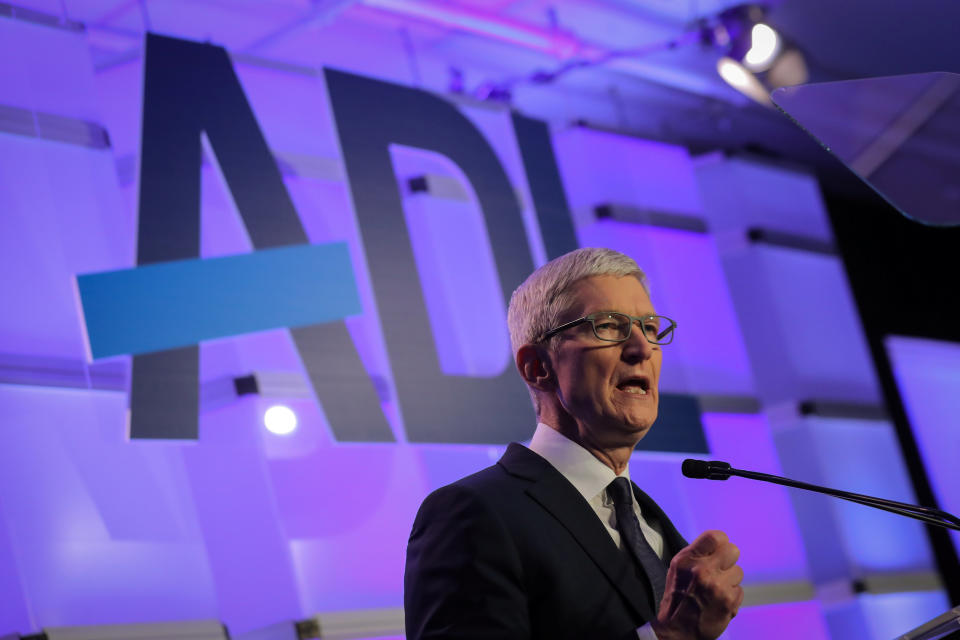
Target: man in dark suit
x,y
554,541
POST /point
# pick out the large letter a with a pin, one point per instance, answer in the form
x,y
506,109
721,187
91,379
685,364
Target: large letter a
x,y
189,89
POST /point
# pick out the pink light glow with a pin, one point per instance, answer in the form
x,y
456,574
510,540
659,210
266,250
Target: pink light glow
x,y
557,43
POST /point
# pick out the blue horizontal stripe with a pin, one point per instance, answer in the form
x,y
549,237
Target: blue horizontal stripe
x,y
181,303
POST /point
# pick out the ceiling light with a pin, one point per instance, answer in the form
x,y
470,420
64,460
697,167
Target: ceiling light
x,y
740,78
756,58
280,419
764,47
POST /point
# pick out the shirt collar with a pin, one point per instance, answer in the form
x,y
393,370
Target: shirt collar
x,y
584,471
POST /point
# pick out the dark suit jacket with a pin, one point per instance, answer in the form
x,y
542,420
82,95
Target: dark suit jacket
x,y
514,551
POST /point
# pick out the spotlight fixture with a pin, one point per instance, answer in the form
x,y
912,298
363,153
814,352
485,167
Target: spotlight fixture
x,y
764,47
757,58
280,420
741,79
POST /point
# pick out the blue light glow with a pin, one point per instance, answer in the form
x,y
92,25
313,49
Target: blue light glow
x,y
864,457
892,614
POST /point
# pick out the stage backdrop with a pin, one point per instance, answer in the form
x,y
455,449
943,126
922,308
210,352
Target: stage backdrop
x,y
187,241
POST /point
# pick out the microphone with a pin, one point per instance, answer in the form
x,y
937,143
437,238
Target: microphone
x,y
716,470
713,470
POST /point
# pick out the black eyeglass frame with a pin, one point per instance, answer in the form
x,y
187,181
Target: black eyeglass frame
x,y
593,317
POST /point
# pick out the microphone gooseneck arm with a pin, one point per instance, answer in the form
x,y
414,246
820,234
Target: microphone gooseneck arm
x,y
716,470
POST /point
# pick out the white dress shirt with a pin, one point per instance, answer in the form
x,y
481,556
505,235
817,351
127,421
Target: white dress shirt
x,y
590,477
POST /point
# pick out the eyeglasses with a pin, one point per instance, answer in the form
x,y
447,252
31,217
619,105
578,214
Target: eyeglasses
x,y
615,327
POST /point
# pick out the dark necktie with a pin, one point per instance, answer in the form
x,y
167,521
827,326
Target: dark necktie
x,y
621,491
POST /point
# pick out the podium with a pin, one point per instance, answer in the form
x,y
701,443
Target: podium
x,y
939,627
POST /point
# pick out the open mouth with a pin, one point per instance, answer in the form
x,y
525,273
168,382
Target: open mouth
x,y
637,385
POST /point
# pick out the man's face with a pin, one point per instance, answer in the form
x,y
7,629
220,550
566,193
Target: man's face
x,y
599,383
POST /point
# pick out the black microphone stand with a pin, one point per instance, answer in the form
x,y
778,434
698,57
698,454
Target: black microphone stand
x,y
932,630
716,470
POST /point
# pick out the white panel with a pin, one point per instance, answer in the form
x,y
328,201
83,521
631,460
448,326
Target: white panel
x,y
801,327
846,540
739,193
103,529
62,217
47,70
605,168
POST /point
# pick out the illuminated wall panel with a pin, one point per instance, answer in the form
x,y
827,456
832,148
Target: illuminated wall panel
x,y
890,614
118,91
790,621
68,220
803,333
739,193
757,516
794,305
237,511
103,530
292,111
15,613
355,554
62,212
847,540
687,282
928,375
606,168
883,616
297,526
47,70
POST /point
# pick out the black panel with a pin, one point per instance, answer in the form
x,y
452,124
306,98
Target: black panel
x,y
164,395
678,426
549,199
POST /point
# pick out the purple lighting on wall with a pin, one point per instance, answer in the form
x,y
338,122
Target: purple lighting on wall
x,y
471,20
928,374
251,527
757,516
793,621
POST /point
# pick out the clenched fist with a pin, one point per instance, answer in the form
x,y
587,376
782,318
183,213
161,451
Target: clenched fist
x,y
703,590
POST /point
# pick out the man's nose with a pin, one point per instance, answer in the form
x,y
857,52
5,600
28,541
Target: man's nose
x,y
636,347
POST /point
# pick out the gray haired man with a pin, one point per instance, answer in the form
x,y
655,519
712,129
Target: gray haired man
x,y
555,541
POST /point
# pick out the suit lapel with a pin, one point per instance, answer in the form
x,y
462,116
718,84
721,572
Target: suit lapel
x,y
554,493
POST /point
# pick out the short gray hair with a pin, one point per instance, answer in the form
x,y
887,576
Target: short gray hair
x,y
538,304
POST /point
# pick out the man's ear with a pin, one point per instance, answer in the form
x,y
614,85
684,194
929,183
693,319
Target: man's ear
x,y
535,367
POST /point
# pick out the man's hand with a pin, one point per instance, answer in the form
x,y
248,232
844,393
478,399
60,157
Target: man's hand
x,y
703,590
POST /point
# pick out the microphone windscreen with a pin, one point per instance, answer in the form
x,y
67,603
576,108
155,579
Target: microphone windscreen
x,y
695,468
